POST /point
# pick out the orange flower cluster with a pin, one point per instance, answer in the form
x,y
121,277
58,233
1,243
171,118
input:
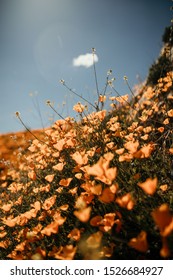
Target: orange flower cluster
x,y
78,190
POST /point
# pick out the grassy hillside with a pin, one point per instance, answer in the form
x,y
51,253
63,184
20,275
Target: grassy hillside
x,y
98,188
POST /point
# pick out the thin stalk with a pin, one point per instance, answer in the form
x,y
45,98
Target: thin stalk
x,y
95,107
18,116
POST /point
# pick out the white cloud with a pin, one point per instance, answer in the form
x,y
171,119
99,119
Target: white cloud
x,y
85,60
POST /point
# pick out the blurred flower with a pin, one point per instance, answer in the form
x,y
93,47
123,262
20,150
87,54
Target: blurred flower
x,y
164,187
163,219
59,166
80,158
140,242
6,207
79,108
170,113
83,214
52,228
32,175
66,252
101,171
108,194
49,202
145,151
165,251
107,222
122,99
102,98
126,201
94,240
50,178
149,186
74,234
65,182
131,146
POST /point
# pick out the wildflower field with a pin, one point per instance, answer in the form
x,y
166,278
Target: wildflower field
x,y
97,188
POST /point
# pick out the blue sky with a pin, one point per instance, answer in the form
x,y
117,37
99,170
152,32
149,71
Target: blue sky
x,y
39,40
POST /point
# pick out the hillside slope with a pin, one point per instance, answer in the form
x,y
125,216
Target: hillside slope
x,y
99,188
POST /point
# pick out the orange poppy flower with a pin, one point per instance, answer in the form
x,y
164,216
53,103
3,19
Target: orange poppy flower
x,y
52,228
74,234
32,175
125,157
56,215
140,242
145,151
49,202
7,207
32,148
131,146
3,234
120,151
144,137
170,113
65,182
18,201
125,201
22,219
166,121
163,219
83,214
36,205
64,207
73,191
71,142
161,129
78,175
10,222
45,188
164,187
60,145
59,166
50,178
101,171
122,99
4,244
87,197
149,186
64,253
80,158
107,222
30,214
95,221
79,108
97,189
165,251
21,246
107,195
102,98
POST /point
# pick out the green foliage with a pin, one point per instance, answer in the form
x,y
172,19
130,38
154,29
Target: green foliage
x,y
163,64
167,37
159,70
